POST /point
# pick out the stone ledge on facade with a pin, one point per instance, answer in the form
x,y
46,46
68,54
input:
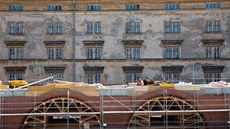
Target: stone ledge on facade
x,y
15,43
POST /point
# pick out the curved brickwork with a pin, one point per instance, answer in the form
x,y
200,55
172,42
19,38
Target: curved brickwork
x,y
117,103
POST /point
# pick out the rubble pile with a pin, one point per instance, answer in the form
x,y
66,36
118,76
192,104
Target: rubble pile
x,y
219,84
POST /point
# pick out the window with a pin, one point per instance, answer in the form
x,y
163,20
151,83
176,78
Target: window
x,y
132,53
132,73
171,52
212,48
15,76
93,28
172,6
212,73
54,28
212,52
212,77
89,28
15,52
93,7
93,78
56,72
15,8
93,74
15,73
56,76
97,27
132,27
172,26
54,8
172,76
16,28
212,26
132,7
132,77
54,52
212,5
172,73
94,53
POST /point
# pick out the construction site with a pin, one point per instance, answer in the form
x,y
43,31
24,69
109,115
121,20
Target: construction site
x,y
72,105
115,64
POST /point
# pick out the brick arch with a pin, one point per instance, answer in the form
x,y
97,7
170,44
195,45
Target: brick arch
x,y
57,99
170,92
154,99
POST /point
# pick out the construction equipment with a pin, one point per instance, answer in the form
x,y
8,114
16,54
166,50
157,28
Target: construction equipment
x,y
27,85
16,83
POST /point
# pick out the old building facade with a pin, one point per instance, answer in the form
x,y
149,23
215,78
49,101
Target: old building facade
x,y
115,41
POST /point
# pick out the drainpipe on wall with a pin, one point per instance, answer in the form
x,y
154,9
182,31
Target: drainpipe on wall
x,y
74,42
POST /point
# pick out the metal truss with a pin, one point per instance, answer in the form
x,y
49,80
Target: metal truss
x,y
162,113
67,112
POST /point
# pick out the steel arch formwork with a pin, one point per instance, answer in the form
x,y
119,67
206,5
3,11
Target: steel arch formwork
x,y
67,112
167,112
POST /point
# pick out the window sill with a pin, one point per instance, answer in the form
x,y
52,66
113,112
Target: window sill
x,y
16,34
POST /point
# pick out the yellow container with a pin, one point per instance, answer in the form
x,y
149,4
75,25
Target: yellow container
x,y
17,83
171,85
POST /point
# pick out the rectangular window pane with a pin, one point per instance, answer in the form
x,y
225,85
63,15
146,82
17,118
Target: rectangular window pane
x,y
212,5
19,54
97,53
89,78
172,6
176,26
208,52
137,76
97,78
20,28
208,26
216,52
132,7
128,77
58,53
89,53
89,28
11,28
11,53
50,53
128,28
97,28
216,26
168,26
59,28
168,52
50,28
128,52
136,27
136,53
176,52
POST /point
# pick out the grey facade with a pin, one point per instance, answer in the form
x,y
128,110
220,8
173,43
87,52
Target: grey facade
x,y
200,57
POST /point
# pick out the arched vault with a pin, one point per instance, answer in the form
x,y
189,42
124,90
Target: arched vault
x,y
167,112
61,112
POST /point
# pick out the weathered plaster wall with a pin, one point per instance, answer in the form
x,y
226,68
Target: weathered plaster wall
x,y
113,32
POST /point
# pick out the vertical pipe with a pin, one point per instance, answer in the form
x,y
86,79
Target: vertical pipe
x,y
101,110
74,42
67,109
134,106
1,110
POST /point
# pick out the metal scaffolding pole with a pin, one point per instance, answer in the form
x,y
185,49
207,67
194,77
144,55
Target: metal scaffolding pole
x,y
68,110
1,109
228,111
101,110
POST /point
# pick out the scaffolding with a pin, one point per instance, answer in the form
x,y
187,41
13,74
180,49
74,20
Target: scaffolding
x,y
164,111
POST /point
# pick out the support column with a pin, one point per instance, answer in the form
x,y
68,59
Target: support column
x,y
101,110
